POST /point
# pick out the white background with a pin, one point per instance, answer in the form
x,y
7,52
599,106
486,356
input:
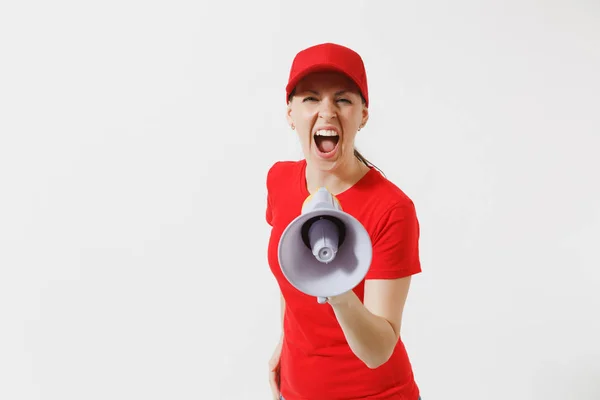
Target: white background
x,y
135,141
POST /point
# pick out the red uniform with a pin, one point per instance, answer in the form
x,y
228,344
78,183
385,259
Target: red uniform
x,y
316,361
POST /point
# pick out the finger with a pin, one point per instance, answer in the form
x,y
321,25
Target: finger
x,y
274,386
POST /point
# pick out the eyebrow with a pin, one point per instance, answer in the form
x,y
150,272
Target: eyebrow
x,y
336,93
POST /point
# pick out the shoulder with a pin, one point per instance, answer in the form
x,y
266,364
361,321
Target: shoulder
x,y
282,183
389,192
280,172
384,197
396,208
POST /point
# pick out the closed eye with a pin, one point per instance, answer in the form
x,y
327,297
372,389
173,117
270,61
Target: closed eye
x,y
313,99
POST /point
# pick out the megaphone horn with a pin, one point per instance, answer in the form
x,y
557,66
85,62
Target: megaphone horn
x,y
323,234
324,251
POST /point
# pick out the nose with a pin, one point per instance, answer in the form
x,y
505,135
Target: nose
x,y
327,109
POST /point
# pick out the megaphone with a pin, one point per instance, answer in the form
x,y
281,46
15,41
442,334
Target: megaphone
x,y
324,251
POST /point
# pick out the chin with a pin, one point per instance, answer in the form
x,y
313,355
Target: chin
x,y
324,163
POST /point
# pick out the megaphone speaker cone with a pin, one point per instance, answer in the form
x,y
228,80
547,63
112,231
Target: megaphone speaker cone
x,y
325,252
323,237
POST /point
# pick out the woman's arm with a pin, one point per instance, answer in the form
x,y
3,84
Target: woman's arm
x,y
282,305
372,328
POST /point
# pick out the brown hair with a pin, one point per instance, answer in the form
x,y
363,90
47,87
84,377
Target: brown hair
x,y
357,154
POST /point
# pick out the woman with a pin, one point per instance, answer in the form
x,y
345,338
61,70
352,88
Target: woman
x,y
350,347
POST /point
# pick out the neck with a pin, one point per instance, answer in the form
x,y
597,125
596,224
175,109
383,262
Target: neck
x,y
337,180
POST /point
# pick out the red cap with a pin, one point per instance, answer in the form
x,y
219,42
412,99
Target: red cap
x,y
328,57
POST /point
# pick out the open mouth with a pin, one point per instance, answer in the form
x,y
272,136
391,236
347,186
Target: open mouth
x,y
326,141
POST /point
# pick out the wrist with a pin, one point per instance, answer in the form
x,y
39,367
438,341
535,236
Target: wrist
x,y
342,300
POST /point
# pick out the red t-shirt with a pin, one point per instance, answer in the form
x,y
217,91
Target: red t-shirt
x,y
316,361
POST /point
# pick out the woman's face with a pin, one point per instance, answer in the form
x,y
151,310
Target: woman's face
x,y
327,111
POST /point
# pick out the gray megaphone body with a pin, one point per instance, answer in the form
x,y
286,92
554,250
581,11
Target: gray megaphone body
x,y
324,251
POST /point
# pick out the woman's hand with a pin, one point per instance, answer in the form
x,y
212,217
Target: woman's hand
x,y
341,298
274,368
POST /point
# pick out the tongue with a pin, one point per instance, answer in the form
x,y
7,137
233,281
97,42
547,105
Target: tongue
x,y
326,144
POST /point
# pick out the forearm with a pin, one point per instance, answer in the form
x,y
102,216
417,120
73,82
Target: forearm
x,y
370,337
282,311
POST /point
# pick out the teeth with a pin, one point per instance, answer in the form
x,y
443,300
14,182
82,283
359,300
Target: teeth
x,y
323,132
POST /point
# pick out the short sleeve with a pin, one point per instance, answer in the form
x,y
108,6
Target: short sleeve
x,y
269,185
269,212
396,244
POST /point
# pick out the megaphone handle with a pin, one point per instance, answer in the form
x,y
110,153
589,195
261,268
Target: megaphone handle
x,y
322,300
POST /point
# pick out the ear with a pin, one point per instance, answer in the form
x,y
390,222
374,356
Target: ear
x,y
365,117
288,114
